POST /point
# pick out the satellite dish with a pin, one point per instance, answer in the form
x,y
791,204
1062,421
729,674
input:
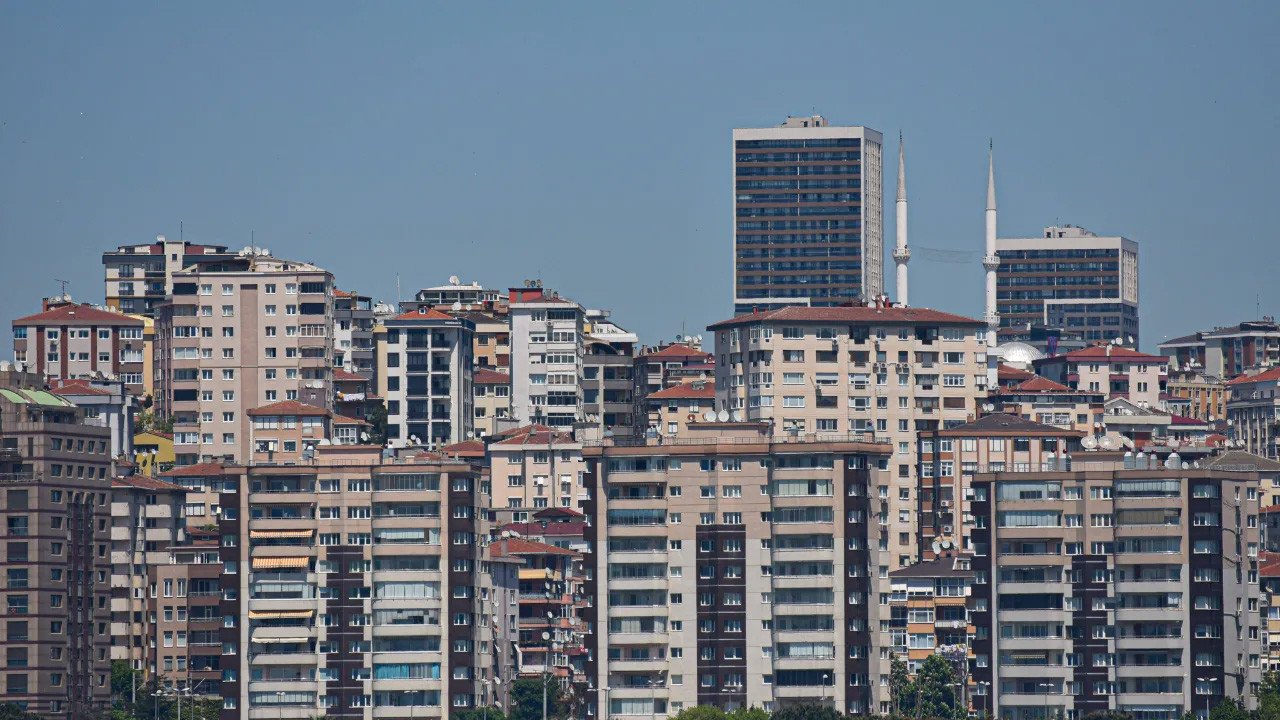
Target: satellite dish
x,y
709,416
1088,442
325,441
1105,442
937,546
1118,341
988,407
364,437
723,416
456,306
946,544
737,416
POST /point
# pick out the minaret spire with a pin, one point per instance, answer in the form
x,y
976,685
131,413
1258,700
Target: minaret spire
x,y
901,254
990,261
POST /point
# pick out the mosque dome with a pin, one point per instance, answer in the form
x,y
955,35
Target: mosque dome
x,y
1018,354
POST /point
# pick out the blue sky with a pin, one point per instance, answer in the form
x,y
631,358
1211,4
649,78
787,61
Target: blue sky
x,y
588,144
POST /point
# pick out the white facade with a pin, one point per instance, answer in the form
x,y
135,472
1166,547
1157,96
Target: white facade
x,y
546,359
427,362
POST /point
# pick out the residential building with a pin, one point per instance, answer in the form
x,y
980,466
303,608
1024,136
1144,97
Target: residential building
x,y
928,607
808,214
353,349
535,467
55,491
146,519
558,526
353,393
1132,425
607,384
1253,411
551,600
672,410
364,588
107,403
444,296
1128,587
663,367
492,337
153,452
949,459
67,341
735,569
139,278
547,357
239,334
1114,370
883,370
1044,401
1205,396
184,615
1269,580
1226,352
492,400
425,365
289,431
1069,278
201,481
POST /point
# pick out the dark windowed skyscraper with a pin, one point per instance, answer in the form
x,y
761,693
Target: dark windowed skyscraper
x,y
808,216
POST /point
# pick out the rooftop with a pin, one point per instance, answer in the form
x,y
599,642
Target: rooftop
x,y
849,315
78,315
288,407
1005,424
690,390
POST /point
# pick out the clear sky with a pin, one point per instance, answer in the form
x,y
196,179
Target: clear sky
x,y
588,144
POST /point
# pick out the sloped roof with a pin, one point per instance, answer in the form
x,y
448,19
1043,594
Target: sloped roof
x,y
1265,376
1008,372
687,390
142,482
1110,353
77,386
537,437
423,314
1041,385
342,375
466,448
520,546
904,315
485,376
676,350
77,315
288,407
197,470
1240,458
1184,340
1005,424
559,529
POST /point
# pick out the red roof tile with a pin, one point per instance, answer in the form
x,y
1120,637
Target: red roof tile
x,y
522,430
552,512
1008,372
142,482
337,419
1114,353
288,407
538,437
77,387
676,350
466,448
559,529
485,376
1267,376
520,546
1040,384
198,470
423,314
341,375
77,315
1184,420
849,315
687,390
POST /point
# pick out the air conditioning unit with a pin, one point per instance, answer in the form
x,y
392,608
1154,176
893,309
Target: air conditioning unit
x,y
946,503
946,529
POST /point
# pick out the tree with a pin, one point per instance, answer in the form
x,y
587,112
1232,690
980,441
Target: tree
x,y
899,683
377,418
492,713
526,699
701,712
1229,709
1269,697
748,714
807,711
10,711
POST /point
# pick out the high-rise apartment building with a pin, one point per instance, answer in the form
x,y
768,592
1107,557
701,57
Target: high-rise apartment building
x,y
238,334
492,391
1069,278
184,615
139,278
68,340
425,365
734,569
1129,587
547,357
534,468
1112,370
1253,411
607,385
55,494
1226,352
363,589
353,333
882,370
808,217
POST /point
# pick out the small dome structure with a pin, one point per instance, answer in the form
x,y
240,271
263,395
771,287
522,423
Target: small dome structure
x,y
1018,354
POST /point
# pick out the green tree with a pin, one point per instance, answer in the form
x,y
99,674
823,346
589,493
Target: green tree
x,y
492,713
899,684
1269,697
807,711
753,713
1230,709
701,712
10,711
377,419
526,699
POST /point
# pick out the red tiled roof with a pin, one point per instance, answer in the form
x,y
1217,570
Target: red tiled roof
x,y
288,407
337,419
76,387
1184,420
198,470
485,376
466,448
1008,372
424,314
686,391
142,482
157,433
558,512
1111,353
341,293
538,437
1267,376
77,315
520,546
676,350
555,528
848,315
1041,384
522,430
341,375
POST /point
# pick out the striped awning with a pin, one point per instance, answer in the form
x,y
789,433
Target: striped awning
x,y
279,614
279,639
263,563
279,533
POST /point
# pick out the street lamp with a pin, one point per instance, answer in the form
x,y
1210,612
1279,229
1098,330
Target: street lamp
x,y
986,696
1208,696
279,703
1047,686
825,679
408,700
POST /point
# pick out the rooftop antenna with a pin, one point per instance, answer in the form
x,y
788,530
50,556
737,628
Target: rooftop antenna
x,y
180,229
64,284
397,289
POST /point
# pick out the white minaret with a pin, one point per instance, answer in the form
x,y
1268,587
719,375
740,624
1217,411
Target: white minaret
x,y
990,261
902,255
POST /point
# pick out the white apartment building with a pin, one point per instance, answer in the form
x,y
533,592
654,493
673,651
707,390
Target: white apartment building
x,y
424,367
843,371
547,351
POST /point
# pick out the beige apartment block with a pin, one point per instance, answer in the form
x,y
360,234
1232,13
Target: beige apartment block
x,y
1117,585
184,616
237,335
364,589
492,343
1204,397
879,370
1042,400
1113,370
493,400
203,505
55,494
139,278
286,431
68,340
733,568
146,520
929,608
950,458
662,367
672,410
532,468
1253,411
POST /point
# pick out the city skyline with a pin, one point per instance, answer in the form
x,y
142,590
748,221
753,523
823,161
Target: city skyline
x,y
399,149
